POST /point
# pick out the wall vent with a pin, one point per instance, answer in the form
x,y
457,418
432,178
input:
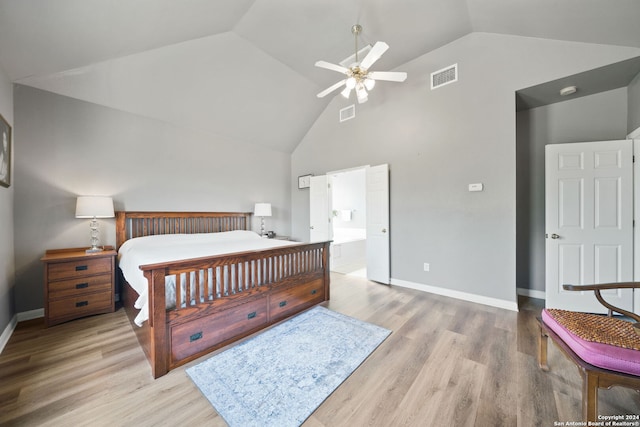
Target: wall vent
x,y
444,76
347,113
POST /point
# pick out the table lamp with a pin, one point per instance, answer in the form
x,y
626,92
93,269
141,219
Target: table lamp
x,y
94,207
262,210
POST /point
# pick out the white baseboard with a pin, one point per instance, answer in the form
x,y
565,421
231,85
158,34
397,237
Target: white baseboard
x,y
20,317
493,302
532,293
6,334
31,314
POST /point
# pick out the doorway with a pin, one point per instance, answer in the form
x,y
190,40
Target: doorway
x,y
356,206
349,222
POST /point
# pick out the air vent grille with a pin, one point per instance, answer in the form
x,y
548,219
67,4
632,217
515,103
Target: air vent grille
x,y
444,76
348,113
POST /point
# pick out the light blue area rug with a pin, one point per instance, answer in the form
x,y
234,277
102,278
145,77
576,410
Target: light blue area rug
x,y
278,378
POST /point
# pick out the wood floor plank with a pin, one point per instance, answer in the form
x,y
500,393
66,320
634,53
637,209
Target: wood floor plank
x,y
447,362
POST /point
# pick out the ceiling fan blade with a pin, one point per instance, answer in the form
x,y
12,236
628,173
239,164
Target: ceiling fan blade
x,y
333,67
374,54
330,89
390,76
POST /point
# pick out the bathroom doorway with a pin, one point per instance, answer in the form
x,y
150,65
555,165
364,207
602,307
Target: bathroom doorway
x,y
351,208
349,221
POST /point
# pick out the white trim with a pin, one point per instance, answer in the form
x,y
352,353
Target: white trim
x,y
355,168
493,302
531,293
17,318
31,314
8,331
634,135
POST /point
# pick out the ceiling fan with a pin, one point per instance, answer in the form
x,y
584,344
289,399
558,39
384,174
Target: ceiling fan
x,y
359,78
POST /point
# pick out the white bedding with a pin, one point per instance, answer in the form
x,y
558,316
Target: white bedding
x,y
172,247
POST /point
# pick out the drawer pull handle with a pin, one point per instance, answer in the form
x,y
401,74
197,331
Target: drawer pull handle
x,y
82,303
251,315
282,303
82,285
314,291
195,337
81,267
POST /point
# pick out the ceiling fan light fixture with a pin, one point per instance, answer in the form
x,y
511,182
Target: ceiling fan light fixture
x,y
358,75
369,84
361,92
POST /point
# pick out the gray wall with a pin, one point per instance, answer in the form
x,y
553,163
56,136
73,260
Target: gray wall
x,y
70,147
633,121
597,117
436,143
7,308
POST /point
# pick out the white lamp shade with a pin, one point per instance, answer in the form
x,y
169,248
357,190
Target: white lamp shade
x,y
94,206
262,209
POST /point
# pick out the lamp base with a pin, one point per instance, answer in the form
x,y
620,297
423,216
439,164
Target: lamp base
x,y
94,250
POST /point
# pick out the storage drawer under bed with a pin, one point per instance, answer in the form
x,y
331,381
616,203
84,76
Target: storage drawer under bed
x,y
288,301
203,333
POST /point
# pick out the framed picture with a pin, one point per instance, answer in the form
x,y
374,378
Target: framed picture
x,y
304,181
5,152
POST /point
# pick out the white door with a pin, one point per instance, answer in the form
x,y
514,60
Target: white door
x,y
636,215
320,209
378,262
589,222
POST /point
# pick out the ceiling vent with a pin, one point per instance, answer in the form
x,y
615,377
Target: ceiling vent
x,y
444,76
347,113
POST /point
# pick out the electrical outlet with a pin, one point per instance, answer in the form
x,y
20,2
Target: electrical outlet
x,y
426,266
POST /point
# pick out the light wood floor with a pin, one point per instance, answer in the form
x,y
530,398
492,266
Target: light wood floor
x,y
447,362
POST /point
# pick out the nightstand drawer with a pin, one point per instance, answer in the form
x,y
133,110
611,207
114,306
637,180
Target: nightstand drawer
x,y
79,286
81,305
79,268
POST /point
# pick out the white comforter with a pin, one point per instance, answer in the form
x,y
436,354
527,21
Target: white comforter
x,y
172,247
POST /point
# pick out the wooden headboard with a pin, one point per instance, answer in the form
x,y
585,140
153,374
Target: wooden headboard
x,y
138,224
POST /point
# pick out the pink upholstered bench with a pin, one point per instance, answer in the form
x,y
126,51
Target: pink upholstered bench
x,y
606,350
611,345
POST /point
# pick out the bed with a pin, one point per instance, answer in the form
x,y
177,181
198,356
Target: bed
x,y
199,304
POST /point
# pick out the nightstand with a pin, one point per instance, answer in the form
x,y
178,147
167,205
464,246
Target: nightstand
x,y
77,284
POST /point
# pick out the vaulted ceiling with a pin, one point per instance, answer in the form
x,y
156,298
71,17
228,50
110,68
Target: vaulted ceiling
x,y
244,69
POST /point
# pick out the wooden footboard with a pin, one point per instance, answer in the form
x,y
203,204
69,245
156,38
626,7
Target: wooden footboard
x,y
223,298
251,291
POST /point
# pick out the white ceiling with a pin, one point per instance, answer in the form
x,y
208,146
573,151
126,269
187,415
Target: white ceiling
x,y
243,70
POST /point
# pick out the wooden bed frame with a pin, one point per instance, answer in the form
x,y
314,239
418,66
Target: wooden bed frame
x,y
264,286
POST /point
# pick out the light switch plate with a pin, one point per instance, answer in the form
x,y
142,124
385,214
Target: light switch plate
x,y
476,187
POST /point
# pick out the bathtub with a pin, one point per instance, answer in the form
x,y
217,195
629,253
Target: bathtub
x,y
348,249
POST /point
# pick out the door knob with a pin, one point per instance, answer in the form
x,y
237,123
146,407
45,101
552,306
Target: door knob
x,y
311,227
384,230
555,236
